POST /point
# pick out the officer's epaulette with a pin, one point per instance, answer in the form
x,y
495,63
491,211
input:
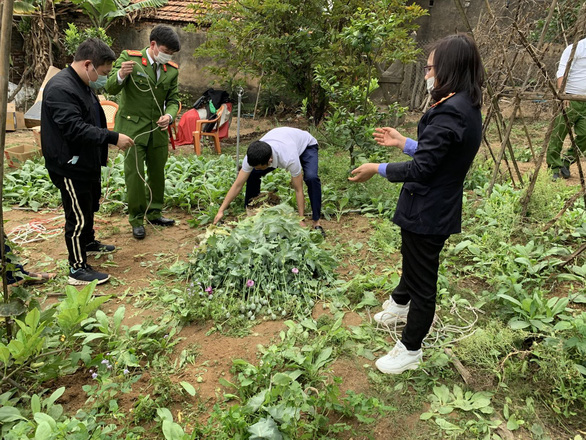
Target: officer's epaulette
x,y
134,53
445,98
171,63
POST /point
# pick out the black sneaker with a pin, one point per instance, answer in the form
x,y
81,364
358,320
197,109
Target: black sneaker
x,y
85,275
320,230
95,247
565,172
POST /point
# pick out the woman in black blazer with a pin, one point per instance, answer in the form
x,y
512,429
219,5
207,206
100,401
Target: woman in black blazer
x,y
430,204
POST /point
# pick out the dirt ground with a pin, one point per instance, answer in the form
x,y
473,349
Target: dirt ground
x,y
135,264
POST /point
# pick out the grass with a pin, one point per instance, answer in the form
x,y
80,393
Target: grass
x,y
530,373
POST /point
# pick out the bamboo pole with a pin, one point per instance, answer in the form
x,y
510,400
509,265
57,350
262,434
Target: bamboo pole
x,y
553,88
494,100
5,34
526,130
517,97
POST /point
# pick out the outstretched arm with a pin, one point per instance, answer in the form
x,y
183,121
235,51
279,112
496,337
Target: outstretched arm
x,y
389,137
232,194
364,172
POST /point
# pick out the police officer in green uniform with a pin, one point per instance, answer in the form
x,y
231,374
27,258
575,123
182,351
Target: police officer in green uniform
x,y
148,104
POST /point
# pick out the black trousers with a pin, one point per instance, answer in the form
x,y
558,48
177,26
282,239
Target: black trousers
x,y
418,284
81,199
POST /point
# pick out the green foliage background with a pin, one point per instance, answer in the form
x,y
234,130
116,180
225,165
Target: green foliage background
x,y
285,43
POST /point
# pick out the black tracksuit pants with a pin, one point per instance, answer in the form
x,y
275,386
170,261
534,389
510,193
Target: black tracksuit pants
x,y
418,284
81,199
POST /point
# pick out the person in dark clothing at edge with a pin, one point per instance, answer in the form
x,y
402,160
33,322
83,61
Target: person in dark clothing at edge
x,y
429,208
75,142
16,275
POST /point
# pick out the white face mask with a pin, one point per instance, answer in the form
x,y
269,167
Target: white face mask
x,y
430,82
162,57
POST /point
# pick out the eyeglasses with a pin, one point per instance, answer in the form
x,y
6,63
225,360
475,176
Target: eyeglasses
x,y
427,69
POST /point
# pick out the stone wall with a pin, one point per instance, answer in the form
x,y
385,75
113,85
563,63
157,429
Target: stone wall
x,y
17,60
445,19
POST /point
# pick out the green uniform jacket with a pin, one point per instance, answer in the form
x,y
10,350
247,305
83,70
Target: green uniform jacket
x,y
138,112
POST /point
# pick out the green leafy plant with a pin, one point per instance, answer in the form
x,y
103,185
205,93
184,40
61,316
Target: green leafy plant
x,y
266,265
127,346
559,376
368,39
44,345
26,344
288,391
77,307
102,13
485,349
74,37
298,36
535,312
171,430
30,186
444,402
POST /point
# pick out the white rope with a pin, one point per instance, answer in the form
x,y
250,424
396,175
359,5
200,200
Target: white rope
x,y
440,333
35,230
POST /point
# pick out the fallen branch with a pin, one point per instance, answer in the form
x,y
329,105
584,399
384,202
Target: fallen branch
x,y
574,255
569,202
502,364
466,376
20,84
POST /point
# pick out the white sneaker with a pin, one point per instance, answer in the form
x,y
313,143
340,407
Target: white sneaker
x,y
399,359
392,313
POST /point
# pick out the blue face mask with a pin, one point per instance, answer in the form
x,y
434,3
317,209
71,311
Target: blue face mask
x,y
99,83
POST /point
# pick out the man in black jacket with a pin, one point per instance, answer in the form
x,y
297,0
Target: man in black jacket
x,y
75,142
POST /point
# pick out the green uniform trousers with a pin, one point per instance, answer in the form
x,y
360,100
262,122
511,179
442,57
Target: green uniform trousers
x,y
576,112
145,200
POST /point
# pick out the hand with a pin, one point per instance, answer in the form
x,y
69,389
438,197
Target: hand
x,y
218,216
124,141
389,137
126,69
164,121
364,172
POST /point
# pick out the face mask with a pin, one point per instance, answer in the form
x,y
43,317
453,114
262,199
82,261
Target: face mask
x,y
162,58
99,83
430,82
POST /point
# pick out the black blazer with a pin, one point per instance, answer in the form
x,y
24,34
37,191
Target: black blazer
x,y
449,135
71,125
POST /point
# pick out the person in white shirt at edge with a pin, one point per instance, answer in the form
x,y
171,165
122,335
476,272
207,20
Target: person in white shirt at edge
x,y
576,111
285,147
